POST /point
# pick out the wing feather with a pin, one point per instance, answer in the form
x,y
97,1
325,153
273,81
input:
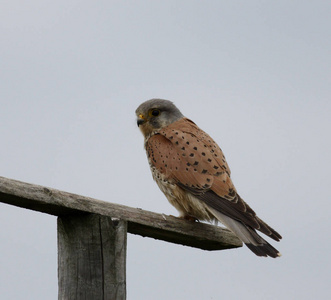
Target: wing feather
x,y
190,158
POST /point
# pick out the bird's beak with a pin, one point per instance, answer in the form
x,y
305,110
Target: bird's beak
x,y
140,120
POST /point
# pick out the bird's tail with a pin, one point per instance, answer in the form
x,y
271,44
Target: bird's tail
x,y
248,235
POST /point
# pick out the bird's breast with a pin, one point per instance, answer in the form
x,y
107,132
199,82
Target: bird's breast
x,y
186,203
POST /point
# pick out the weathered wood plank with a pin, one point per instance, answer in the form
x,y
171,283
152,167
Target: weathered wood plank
x,y
145,223
91,258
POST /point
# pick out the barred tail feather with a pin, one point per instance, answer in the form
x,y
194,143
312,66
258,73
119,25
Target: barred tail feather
x,y
248,235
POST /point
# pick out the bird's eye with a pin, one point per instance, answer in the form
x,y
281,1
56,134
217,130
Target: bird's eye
x,y
155,112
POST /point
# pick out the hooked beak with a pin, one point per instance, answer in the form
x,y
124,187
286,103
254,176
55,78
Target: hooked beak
x,y
140,120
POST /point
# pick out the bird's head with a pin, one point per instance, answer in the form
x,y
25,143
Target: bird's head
x,y
155,114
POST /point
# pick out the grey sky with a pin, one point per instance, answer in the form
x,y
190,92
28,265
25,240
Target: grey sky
x,y
254,74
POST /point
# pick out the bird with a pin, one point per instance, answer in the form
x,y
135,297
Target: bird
x,y
190,169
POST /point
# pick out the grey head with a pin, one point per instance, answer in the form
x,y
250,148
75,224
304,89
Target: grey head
x,y
154,114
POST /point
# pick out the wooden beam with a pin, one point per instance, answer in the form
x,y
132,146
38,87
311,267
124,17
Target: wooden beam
x,y
144,223
91,257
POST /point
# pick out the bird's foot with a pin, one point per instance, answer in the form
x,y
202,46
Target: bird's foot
x,y
189,218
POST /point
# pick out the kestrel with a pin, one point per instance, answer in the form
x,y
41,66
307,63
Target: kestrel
x,y
191,170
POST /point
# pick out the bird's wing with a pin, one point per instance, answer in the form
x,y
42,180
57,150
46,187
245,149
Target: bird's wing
x,y
189,157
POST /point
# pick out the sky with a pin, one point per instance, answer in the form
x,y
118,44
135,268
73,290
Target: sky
x,y
253,74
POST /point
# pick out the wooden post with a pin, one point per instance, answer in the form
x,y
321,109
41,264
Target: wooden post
x,y
91,257
92,243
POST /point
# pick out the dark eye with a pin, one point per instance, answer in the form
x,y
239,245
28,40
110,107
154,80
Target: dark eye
x,y
155,112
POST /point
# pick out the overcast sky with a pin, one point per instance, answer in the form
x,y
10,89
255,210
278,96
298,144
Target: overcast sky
x,y
254,74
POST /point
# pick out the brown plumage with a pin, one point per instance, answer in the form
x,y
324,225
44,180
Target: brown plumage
x,y
191,170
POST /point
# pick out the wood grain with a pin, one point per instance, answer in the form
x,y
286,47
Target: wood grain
x,y
142,222
91,257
